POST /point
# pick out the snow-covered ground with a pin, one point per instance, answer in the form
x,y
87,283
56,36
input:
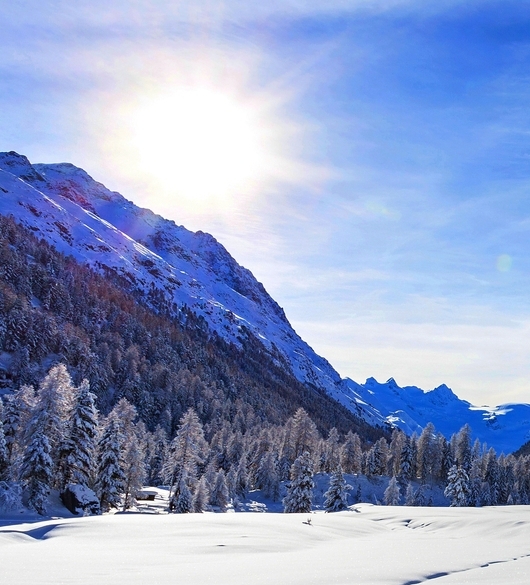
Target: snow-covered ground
x,y
365,545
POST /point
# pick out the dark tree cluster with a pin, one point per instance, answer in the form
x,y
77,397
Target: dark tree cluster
x,y
54,437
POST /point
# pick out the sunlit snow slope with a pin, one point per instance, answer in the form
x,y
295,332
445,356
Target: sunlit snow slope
x,y
81,217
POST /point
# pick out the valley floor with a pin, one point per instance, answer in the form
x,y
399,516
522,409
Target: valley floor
x,y
365,545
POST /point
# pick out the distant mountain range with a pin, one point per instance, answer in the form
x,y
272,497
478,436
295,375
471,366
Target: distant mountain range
x,y
152,255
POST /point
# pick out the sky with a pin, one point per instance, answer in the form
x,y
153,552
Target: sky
x,y
367,160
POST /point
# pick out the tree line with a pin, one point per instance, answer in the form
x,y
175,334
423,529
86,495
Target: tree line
x,y
54,436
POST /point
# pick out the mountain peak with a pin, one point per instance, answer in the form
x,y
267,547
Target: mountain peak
x,y
19,166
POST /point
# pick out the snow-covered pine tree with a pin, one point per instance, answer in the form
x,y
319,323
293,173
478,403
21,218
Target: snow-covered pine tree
x,y
184,502
457,486
330,457
10,496
79,450
351,454
420,498
485,494
18,409
36,471
392,495
200,497
158,455
304,434
242,481
336,497
267,478
110,479
187,450
4,458
475,483
377,458
299,497
409,495
55,400
231,480
447,458
134,473
219,495
407,463
491,476
428,456
463,451
395,449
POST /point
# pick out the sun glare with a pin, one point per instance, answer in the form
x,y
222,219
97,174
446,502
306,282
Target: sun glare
x,y
200,144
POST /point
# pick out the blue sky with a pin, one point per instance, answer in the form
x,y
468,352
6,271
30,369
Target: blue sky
x,y
392,221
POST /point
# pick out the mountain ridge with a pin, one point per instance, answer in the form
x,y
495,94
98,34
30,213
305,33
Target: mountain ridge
x,y
81,217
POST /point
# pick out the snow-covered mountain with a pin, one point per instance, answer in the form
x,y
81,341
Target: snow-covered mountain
x,y
505,427
80,217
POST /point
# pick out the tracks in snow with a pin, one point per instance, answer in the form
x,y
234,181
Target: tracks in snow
x,y
441,574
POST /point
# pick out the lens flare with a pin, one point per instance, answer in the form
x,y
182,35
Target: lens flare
x,y
504,263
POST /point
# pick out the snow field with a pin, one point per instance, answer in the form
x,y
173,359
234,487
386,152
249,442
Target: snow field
x,y
364,545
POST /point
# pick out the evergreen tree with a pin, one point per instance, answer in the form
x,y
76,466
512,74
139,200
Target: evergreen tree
x,y
184,503
304,435
133,473
458,486
392,495
447,458
53,409
409,495
330,452
491,476
158,455
428,455
80,447
4,458
351,454
299,495
186,452
267,478
36,471
219,495
336,497
241,478
110,479
18,410
377,458
463,452
395,449
200,497
419,496
407,465
10,496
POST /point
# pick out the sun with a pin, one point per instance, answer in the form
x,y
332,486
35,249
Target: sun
x,y
200,143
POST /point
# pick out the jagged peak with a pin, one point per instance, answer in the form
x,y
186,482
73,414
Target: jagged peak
x,y
443,389
19,165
